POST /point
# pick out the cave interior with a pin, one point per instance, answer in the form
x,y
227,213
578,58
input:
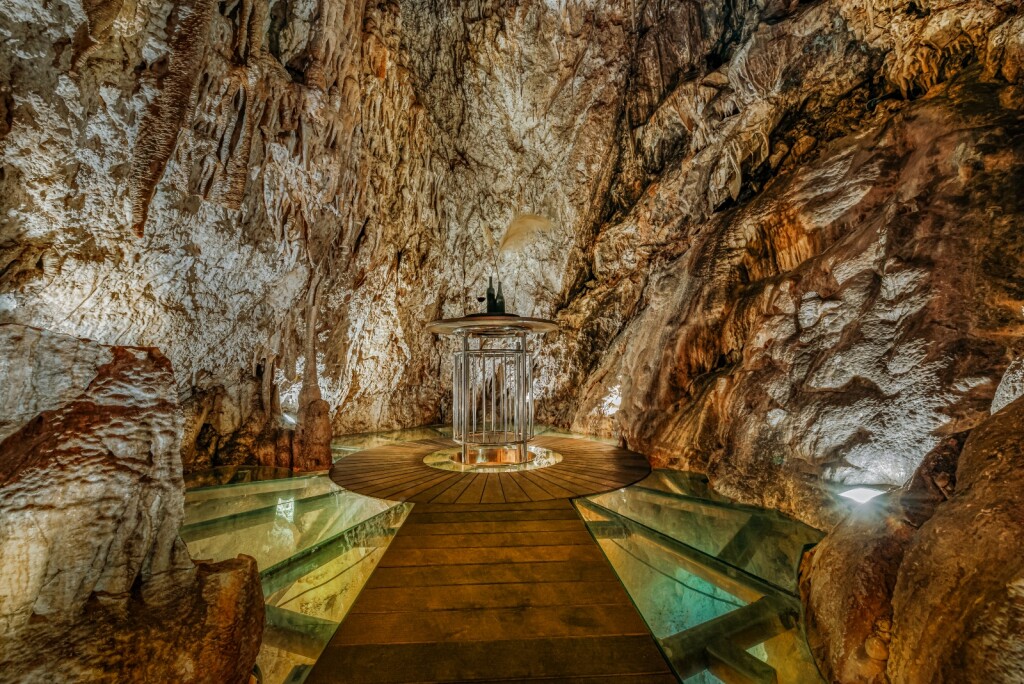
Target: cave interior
x,y
767,418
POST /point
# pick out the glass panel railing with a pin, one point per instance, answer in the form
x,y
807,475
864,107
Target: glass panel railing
x,y
715,581
763,543
286,526
220,502
232,475
309,594
368,440
315,545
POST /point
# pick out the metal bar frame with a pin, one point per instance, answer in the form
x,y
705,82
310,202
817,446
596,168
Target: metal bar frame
x,y
492,392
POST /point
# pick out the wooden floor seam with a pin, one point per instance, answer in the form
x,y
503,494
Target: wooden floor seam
x,y
481,585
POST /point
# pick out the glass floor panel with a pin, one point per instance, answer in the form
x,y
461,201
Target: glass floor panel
x,y
715,581
315,545
763,543
368,440
235,474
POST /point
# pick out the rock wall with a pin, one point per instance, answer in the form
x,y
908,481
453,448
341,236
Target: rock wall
x,y
745,215
91,500
837,325
782,240
825,281
925,586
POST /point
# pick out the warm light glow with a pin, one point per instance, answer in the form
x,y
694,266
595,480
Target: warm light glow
x,y
861,494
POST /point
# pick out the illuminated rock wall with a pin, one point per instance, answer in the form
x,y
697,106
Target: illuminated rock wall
x,y
782,239
95,581
721,205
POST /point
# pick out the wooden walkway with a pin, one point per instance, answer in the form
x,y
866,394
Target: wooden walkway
x,y
493,591
397,472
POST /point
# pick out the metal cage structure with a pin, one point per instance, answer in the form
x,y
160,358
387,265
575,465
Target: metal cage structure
x,y
492,397
492,386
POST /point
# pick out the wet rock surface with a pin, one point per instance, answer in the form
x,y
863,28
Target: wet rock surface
x,y
91,500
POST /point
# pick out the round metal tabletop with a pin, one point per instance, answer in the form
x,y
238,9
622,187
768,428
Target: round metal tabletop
x,y
483,324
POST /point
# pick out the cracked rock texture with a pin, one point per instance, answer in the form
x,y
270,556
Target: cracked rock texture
x,y
780,238
91,499
832,329
926,587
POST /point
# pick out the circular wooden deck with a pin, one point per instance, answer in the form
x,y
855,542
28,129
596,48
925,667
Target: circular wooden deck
x,y
396,472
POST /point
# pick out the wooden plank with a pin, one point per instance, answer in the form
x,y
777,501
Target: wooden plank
x,y
381,475
474,491
549,475
408,490
649,678
497,595
534,490
553,489
526,506
492,490
519,554
451,494
493,577
522,658
439,488
497,516
513,492
494,539
442,626
489,573
416,528
382,491
587,468
585,481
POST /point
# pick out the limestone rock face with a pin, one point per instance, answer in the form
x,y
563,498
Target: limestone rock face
x,y
739,212
91,499
835,327
958,603
848,579
782,241
925,587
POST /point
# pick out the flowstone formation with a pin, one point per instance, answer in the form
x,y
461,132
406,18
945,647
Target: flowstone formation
x,y
723,205
95,581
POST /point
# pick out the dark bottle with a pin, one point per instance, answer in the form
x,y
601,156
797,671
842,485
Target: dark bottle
x,y
499,300
492,304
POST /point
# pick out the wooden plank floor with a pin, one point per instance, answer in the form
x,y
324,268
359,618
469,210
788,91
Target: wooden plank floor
x,y
492,591
397,472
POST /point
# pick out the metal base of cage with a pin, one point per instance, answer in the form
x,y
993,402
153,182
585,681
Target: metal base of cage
x,y
505,454
492,387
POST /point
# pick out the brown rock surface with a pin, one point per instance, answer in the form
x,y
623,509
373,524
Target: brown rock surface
x,y
834,327
847,580
91,499
782,239
711,198
958,603
925,588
